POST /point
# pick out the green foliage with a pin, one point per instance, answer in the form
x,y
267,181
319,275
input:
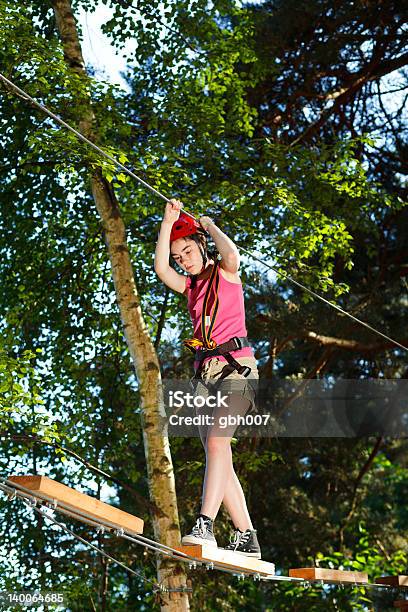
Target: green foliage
x,y
21,405
367,558
218,94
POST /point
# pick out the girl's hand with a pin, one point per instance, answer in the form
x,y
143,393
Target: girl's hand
x,y
172,211
205,222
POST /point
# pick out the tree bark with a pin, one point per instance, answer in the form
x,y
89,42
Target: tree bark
x,y
157,449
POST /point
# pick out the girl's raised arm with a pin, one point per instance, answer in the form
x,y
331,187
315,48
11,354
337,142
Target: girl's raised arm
x,y
164,271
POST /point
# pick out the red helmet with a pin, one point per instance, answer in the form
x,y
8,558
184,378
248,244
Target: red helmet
x,y
184,226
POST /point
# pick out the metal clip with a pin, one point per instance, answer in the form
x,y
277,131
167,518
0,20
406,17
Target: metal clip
x,y
237,342
119,532
32,501
209,566
246,371
192,565
100,529
257,576
180,590
12,495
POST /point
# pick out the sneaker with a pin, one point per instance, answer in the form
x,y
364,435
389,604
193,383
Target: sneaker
x,y
245,543
201,533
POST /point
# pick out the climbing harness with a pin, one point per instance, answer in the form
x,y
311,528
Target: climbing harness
x,y
207,347
21,93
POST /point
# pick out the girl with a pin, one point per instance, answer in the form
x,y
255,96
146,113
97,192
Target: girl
x,y
221,352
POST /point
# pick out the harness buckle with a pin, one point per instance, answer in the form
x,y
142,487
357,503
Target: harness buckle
x,y
245,371
237,342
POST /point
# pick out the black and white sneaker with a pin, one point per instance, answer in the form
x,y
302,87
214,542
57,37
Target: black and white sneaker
x,y
201,533
245,543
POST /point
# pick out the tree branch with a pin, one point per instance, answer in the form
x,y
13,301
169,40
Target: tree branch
x,y
370,72
314,371
349,345
357,482
162,318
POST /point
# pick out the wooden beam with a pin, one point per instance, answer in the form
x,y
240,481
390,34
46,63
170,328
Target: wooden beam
x,y
48,489
228,559
397,581
327,575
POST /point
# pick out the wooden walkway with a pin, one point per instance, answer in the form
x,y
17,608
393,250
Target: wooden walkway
x,y
85,506
48,489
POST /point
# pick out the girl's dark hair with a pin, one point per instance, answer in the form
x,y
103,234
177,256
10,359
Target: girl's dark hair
x,y
200,238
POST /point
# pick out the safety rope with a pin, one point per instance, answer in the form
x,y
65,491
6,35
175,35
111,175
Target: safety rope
x,y
125,169
335,306
83,138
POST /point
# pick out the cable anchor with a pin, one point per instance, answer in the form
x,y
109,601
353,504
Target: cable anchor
x,y
32,502
12,495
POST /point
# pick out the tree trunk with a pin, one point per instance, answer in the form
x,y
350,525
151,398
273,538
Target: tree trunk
x,y
157,449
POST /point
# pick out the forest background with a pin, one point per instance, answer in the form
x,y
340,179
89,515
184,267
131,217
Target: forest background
x,y
285,121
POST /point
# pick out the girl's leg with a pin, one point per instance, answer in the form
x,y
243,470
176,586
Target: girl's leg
x,y
221,483
235,504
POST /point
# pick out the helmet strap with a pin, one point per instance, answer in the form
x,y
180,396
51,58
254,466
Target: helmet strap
x,y
203,254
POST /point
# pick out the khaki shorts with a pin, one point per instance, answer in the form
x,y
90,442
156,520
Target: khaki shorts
x,y
234,383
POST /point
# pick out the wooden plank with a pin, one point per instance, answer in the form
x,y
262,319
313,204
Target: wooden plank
x,y
397,581
228,559
44,487
402,604
327,575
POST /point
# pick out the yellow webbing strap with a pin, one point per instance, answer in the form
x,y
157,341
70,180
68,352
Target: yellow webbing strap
x,y
207,342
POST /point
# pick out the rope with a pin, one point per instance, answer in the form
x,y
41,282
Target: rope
x,y
125,169
335,306
84,139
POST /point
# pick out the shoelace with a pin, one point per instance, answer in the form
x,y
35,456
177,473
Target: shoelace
x,y
200,527
240,537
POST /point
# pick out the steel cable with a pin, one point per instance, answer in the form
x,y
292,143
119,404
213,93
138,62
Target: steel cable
x,y
118,164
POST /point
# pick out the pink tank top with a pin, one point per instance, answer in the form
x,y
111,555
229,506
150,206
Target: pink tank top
x,y
230,320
